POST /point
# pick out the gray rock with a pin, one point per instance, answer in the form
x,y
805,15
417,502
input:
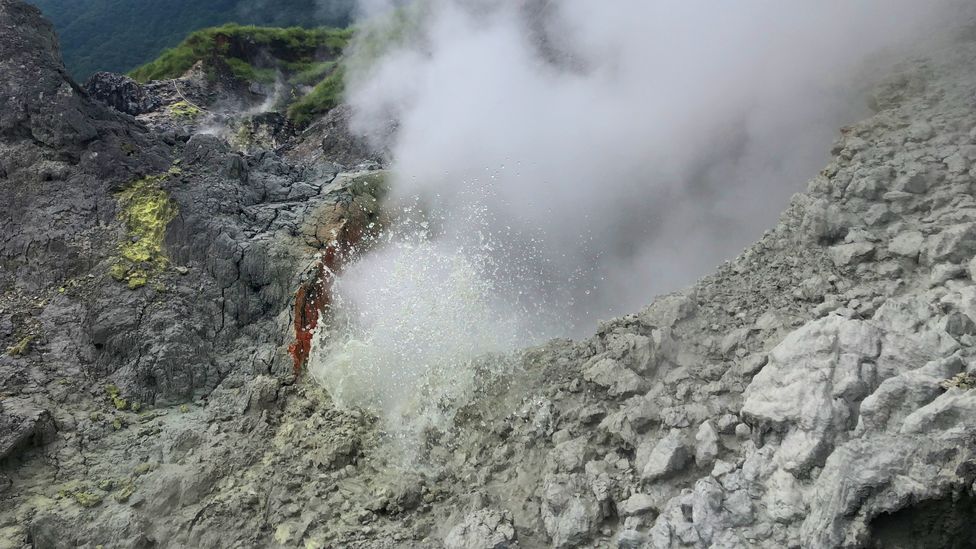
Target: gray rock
x,y
855,424
957,163
23,425
631,539
483,529
670,455
916,182
811,385
959,324
569,510
121,93
944,272
921,131
955,244
907,244
706,444
849,254
637,504
617,379
667,310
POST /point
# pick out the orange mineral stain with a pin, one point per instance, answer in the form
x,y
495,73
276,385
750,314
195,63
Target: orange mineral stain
x,y
313,299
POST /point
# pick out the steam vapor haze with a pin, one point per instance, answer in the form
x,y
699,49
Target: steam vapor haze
x,y
643,141
583,157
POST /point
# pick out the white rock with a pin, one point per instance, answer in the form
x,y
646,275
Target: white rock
x,y
706,444
569,510
954,409
921,131
907,244
637,504
769,320
668,310
732,340
631,539
751,364
878,214
726,424
897,397
619,380
669,456
484,529
945,272
955,244
813,379
784,497
847,254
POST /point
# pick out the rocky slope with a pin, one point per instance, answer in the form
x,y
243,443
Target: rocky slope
x,y
814,392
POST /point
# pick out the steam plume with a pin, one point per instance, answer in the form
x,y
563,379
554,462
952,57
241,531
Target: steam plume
x,y
644,141
576,158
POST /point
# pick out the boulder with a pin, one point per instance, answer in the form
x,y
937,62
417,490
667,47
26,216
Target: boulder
x,y
615,377
811,387
482,529
907,244
23,425
851,254
570,511
121,93
706,444
955,244
636,504
670,455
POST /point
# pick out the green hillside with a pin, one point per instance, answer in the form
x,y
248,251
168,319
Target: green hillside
x,y
254,53
119,35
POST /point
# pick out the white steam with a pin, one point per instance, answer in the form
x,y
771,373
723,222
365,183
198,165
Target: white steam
x,y
647,140
411,319
618,150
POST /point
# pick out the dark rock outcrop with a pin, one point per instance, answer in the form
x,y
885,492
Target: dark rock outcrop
x,y
121,93
331,137
22,425
164,320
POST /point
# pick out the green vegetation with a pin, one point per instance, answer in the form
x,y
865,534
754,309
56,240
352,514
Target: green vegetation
x,y
325,96
373,40
302,57
251,53
313,73
118,35
145,209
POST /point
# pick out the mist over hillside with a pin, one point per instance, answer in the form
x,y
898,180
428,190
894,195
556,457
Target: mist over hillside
x,y
119,35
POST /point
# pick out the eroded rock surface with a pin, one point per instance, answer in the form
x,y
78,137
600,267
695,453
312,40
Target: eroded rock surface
x,y
817,391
